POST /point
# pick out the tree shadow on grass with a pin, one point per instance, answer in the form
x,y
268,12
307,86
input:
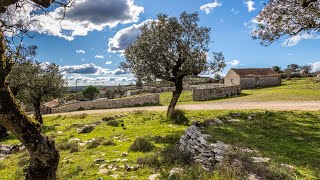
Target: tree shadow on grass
x,y
287,137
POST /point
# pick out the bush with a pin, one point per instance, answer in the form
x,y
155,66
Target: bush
x,y
113,123
109,118
178,117
109,143
172,155
150,161
66,145
95,143
91,92
141,144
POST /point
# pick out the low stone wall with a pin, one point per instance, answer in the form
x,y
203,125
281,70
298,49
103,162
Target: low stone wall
x,y
214,91
146,99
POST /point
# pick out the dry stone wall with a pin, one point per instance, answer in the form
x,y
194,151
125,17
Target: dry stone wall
x,y
214,91
146,99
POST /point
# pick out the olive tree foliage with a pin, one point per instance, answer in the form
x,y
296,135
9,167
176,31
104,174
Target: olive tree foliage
x,y
287,17
44,157
91,92
170,49
37,82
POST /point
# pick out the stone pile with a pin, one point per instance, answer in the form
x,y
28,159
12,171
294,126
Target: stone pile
x,y
196,143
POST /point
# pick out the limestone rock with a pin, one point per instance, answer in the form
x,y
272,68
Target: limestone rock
x,y
175,171
154,177
260,160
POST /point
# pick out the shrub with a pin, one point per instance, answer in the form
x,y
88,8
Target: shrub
x,y
172,155
178,117
90,92
113,123
150,161
66,145
109,118
141,144
86,129
109,143
95,143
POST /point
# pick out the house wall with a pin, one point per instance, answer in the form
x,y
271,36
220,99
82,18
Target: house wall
x,y
248,82
231,78
269,81
252,82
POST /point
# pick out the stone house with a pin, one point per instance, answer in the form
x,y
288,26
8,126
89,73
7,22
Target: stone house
x,y
252,77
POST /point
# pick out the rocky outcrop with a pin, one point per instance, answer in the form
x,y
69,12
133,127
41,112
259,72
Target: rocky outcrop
x,y
196,143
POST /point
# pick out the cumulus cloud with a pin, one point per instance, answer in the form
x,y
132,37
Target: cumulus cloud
x,y
99,56
292,41
84,69
234,62
87,74
108,62
83,17
208,8
125,37
250,4
315,66
80,51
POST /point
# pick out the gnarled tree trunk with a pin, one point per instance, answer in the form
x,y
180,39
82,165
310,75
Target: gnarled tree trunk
x,y
37,112
3,132
175,96
44,157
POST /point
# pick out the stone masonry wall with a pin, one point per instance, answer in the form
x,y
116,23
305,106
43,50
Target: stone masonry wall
x,y
110,103
214,91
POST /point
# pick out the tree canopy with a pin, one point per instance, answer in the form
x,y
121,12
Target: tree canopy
x,y
90,92
170,48
287,17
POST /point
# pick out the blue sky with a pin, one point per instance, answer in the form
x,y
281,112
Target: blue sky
x,y
102,30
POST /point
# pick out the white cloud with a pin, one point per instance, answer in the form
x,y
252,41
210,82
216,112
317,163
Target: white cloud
x,y
84,16
99,57
80,51
292,41
250,4
234,62
84,69
315,66
125,37
108,62
234,12
289,54
210,6
87,74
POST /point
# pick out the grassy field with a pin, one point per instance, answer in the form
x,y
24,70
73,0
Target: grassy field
x,y
307,89
286,137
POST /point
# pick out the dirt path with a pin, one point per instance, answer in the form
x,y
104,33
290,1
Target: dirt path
x,y
234,105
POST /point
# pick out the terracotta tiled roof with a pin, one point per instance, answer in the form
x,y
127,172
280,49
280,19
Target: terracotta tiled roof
x,y
255,72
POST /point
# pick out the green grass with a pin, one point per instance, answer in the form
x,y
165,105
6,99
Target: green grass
x,y
286,137
307,89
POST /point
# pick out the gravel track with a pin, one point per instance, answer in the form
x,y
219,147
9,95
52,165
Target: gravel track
x,y
234,105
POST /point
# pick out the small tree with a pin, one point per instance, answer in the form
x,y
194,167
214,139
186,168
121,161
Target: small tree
x,y
91,92
287,17
169,49
306,70
35,83
276,69
293,67
139,83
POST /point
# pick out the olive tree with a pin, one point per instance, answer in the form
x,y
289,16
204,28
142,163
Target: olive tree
x,y
36,82
44,157
287,17
169,49
90,92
